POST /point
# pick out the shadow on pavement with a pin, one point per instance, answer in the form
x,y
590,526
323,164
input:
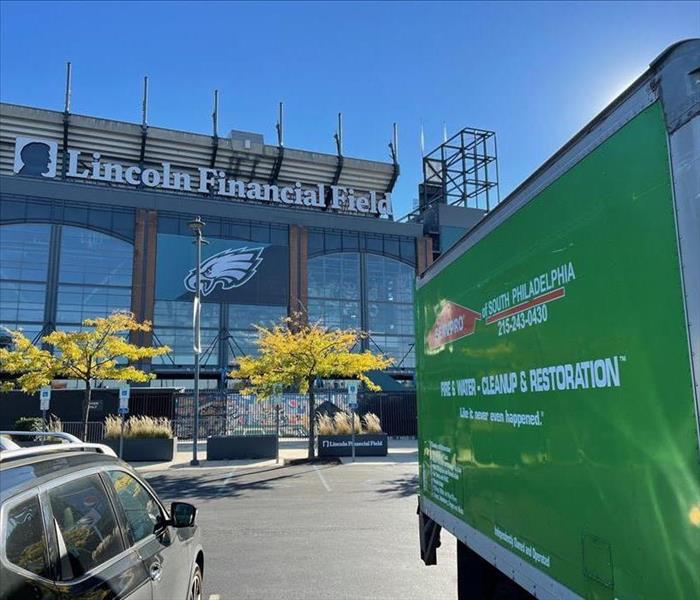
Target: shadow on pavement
x,y
203,485
401,488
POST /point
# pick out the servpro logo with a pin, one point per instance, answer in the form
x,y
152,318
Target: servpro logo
x,y
453,322
524,305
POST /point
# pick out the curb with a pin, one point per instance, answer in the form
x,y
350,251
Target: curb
x,y
312,461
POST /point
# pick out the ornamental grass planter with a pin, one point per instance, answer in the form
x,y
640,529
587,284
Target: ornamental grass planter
x,y
145,449
236,447
366,444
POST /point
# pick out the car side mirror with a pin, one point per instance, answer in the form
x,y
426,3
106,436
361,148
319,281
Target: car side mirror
x,y
182,514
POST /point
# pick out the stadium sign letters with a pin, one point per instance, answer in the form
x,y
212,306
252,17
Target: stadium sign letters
x,y
38,157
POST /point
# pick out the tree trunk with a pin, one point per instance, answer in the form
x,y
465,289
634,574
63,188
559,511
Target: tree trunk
x,y
86,409
312,418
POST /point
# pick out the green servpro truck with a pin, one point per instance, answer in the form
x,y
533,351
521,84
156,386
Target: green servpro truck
x,y
558,358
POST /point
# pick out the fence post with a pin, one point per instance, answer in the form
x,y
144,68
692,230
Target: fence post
x,y
121,436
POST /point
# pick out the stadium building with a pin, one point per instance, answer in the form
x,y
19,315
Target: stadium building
x,y
94,218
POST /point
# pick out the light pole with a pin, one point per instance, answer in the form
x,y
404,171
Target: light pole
x,y
196,226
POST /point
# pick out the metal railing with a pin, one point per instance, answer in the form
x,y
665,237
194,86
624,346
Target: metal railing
x,y
96,431
396,411
47,444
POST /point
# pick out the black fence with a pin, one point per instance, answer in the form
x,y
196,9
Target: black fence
x,y
95,432
396,411
221,413
67,405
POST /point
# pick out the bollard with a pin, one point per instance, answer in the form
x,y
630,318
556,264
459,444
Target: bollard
x,y
277,429
46,425
121,436
352,424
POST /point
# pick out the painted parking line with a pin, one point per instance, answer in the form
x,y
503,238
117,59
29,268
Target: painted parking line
x,y
322,478
225,484
214,597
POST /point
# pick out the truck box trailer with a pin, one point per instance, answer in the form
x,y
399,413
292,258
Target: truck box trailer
x,y
558,358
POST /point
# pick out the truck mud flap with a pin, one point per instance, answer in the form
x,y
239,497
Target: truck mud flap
x,y
429,533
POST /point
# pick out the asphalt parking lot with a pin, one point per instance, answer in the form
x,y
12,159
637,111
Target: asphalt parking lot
x,y
311,531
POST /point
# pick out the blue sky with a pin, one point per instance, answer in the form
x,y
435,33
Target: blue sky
x,y
533,72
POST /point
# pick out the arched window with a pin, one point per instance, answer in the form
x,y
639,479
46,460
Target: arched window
x,y
172,326
336,299
334,290
390,308
24,259
242,319
94,275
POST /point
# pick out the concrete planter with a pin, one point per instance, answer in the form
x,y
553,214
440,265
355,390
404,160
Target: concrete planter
x,y
145,449
233,447
368,444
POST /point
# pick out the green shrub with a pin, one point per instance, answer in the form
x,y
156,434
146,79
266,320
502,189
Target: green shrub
x,y
138,427
29,424
53,423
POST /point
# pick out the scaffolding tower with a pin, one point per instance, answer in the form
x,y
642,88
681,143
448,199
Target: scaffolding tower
x,y
462,171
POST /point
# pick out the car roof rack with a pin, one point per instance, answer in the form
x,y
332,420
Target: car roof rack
x,y
9,450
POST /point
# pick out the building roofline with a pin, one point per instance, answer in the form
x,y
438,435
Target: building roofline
x,y
174,134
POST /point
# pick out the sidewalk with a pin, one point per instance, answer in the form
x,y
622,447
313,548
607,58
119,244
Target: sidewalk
x,y
400,451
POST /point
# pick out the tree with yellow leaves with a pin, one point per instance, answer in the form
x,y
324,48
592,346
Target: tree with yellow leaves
x,y
101,352
293,353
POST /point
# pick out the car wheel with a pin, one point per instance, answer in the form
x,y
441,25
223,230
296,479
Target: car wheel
x,y
195,592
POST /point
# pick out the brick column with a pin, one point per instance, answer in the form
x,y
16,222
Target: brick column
x,y
144,271
424,254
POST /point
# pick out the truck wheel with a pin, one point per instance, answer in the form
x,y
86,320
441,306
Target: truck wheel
x,y
479,579
506,589
475,577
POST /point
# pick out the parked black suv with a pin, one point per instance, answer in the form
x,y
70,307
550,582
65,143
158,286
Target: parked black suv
x,y
76,522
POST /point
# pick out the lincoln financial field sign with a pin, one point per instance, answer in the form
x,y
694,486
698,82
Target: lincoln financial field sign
x,y
38,157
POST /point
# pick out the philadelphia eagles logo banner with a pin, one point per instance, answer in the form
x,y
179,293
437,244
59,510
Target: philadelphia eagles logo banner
x,y
228,269
232,271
